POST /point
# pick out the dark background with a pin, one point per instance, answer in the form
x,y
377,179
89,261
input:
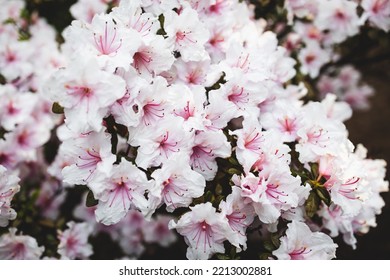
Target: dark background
x,y
370,128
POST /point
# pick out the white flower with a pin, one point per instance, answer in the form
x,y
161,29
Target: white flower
x,y
209,145
9,185
157,231
272,192
319,135
177,184
74,241
312,58
204,231
19,247
90,155
15,108
377,12
125,187
300,243
187,34
157,144
239,215
339,17
86,94
86,9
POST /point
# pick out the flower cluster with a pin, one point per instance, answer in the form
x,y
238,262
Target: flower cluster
x,y
184,120
346,84
188,105
133,232
8,187
28,56
318,28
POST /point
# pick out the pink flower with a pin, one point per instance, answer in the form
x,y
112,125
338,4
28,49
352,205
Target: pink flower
x,y
300,8
273,191
208,145
19,247
51,197
177,184
157,231
284,119
204,231
90,155
300,243
377,12
239,215
86,9
336,110
187,34
339,18
74,241
188,104
15,108
124,187
9,185
312,58
82,90
256,149
157,144
152,58
319,134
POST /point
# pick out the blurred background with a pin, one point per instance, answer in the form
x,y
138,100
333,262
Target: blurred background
x,y
369,53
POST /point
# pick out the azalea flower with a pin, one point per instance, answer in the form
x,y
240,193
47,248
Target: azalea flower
x,y
300,243
19,247
74,241
204,231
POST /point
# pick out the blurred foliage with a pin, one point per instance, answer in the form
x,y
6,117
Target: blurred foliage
x,y
55,11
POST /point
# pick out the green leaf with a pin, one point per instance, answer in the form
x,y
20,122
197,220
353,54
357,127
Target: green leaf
x,y
233,161
222,257
324,195
275,239
312,204
269,246
209,196
314,169
218,189
232,171
3,81
2,132
265,256
57,108
91,201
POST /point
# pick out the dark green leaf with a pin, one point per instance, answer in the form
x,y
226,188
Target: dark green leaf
x,y
218,189
232,171
209,196
314,169
269,246
324,195
233,161
265,256
57,108
312,203
222,257
3,81
275,239
91,201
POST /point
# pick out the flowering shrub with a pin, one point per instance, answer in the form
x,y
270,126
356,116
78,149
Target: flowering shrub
x,y
316,29
184,116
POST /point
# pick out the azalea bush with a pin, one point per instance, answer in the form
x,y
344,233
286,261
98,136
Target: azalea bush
x,y
162,122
